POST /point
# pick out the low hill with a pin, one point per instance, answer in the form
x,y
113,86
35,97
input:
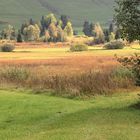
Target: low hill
x,y
16,11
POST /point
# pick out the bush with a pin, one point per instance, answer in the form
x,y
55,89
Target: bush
x,y
14,74
7,48
98,41
133,64
123,72
114,45
79,47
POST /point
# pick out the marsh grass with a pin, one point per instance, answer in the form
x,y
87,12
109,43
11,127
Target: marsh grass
x,y
103,81
73,74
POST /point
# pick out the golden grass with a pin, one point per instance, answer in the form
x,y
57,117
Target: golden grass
x,y
65,65
63,71
36,51
61,60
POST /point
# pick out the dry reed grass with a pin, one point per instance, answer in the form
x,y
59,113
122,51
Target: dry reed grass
x,y
72,76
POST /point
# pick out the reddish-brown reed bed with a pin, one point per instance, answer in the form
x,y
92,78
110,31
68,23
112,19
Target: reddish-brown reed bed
x,y
41,45
68,64
71,76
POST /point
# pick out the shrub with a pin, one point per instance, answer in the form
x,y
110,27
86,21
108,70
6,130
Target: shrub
x,y
14,74
79,47
97,41
123,77
123,72
114,45
7,48
133,64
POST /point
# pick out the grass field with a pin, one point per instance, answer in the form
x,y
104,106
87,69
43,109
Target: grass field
x,y
42,51
61,60
24,116
28,114
16,12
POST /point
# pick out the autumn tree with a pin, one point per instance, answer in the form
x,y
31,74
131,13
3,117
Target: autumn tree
x,y
68,29
53,32
50,19
112,36
99,34
61,36
9,33
31,33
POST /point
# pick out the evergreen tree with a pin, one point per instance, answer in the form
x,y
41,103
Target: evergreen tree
x,y
92,27
13,34
23,26
117,35
42,21
64,20
43,27
111,27
106,33
19,37
31,22
87,28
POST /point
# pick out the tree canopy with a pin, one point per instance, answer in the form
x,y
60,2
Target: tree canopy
x,y
128,19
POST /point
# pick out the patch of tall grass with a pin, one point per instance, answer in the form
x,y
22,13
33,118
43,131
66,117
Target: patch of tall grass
x,y
103,81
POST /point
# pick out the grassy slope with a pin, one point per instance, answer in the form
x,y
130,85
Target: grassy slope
x,y
16,11
39,117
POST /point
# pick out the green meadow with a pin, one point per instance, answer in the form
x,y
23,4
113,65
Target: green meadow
x,y
25,116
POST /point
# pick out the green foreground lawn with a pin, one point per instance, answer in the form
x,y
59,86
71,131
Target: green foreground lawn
x,y
25,116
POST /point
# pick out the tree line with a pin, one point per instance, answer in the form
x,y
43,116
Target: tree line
x,y
126,25
101,35
48,29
